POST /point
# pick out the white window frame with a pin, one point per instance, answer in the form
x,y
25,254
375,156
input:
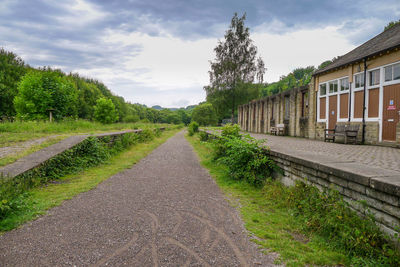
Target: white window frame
x,y
392,81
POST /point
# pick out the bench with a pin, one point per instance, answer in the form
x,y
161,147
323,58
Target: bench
x,y
279,129
349,132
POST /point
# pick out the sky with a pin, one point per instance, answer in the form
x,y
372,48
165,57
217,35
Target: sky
x,y
158,52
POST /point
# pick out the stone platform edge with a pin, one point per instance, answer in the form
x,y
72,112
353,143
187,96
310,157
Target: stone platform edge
x,y
378,188
35,159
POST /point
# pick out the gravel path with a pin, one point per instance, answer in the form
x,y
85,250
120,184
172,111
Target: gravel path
x,y
164,211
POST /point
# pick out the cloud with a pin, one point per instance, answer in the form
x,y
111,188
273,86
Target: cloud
x,y
158,52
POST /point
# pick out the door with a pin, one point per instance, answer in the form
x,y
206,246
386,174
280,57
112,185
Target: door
x,y
391,109
332,116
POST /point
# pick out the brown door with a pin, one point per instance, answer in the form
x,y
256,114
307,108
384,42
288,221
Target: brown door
x,y
391,109
332,116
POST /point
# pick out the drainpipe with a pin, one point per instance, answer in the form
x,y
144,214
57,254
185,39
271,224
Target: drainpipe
x,y
365,94
349,113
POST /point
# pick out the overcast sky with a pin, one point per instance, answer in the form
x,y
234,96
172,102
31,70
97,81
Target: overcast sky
x,y
158,51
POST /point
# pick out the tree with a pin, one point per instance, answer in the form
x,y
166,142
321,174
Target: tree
x,y
40,91
104,111
235,64
204,114
12,68
391,24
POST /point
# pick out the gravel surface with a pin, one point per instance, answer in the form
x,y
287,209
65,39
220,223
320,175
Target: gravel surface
x,y
164,211
21,146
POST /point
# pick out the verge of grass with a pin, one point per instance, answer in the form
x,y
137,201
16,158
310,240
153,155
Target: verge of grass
x,y
38,200
269,221
14,132
15,156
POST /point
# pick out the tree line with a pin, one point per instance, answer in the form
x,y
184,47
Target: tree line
x,y
28,93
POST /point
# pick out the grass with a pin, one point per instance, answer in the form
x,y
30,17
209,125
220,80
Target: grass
x,y
268,218
10,158
38,200
14,132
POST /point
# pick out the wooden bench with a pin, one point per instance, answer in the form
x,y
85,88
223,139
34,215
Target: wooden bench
x,y
349,132
279,129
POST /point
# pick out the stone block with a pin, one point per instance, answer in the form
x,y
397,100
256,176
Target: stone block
x,y
392,200
356,187
338,181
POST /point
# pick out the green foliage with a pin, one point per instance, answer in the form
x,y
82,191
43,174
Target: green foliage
x,y
12,68
231,130
328,215
104,111
204,114
235,64
304,226
40,91
243,155
203,136
298,77
391,24
90,152
193,128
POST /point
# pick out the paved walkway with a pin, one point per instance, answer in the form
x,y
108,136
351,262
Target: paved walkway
x,y
164,211
374,156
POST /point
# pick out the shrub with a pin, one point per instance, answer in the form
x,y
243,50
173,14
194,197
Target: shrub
x,y
40,91
203,136
327,214
104,111
231,130
193,128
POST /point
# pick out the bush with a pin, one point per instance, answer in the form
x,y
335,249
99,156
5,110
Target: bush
x,y
203,136
40,91
104,111
231,130
327,214
193,128
243,155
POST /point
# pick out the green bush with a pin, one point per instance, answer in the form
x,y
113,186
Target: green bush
x,y
193,128
328,215
243,155
104,111
203,136
40,91
231,130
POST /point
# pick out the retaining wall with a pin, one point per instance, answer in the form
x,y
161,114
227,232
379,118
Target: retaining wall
x,y
379,188
34,160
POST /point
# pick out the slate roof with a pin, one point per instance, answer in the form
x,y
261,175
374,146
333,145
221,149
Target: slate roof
x,y
384,41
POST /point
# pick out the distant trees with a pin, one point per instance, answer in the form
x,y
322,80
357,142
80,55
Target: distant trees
x,y
12,68
204,114
105,111
298,77
234,67
40,91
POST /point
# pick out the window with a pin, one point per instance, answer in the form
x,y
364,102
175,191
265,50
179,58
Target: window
x,y
359,80
374,77
322,89
344,84
333,87
392,72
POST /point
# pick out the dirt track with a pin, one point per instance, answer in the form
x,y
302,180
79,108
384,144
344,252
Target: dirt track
x,y
164,211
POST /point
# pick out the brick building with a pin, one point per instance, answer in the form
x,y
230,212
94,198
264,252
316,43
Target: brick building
x,y
361,87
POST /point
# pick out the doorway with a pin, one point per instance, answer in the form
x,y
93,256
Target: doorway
x,y
332,116
391,111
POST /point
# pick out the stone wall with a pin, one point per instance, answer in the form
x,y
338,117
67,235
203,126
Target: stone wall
x,y
380,191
